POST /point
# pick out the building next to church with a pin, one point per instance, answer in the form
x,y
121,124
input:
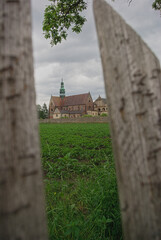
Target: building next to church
x,y
71,106
100,105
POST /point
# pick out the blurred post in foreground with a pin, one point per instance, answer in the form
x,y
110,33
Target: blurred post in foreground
x,y
22,212
133,87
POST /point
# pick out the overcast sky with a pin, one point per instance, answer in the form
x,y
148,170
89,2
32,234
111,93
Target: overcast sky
x,y
77,59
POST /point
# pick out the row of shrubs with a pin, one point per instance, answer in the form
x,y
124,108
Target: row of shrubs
x,y
87,115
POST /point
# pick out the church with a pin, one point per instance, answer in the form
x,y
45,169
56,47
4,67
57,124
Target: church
x,y
71,106
75,106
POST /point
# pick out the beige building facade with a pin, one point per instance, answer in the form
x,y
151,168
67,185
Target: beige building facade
x,y
100,106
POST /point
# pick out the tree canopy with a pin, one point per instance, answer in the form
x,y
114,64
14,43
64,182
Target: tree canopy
x,y
42,111
61,15
157,5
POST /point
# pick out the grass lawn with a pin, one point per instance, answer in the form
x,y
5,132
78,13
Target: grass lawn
x,y
80,182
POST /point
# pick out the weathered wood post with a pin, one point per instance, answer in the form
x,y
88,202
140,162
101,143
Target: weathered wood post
x,y
22,212
133,86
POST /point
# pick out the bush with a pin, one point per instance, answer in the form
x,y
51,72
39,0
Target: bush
x,y
87,115
104,115
64,117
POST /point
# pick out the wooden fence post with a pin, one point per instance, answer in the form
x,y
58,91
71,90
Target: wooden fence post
x,y
133,86
22,211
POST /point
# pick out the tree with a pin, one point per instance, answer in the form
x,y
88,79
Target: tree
x,y
61,15
42,111
157,5
39,112
45,111
22,211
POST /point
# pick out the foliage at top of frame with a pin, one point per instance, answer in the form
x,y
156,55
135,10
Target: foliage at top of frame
x,y
60,15
157,5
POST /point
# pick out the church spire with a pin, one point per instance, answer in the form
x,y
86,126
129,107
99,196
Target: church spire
x,y
62,90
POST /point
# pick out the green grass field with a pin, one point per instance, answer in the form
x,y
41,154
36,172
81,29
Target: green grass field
x,y
80,182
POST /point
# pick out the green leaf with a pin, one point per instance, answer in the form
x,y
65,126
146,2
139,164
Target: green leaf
x,y
61,15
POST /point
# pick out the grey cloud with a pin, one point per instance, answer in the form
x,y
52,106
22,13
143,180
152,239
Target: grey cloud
x,y
77,60
77,48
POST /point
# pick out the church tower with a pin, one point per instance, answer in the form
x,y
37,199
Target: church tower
x,y
62,90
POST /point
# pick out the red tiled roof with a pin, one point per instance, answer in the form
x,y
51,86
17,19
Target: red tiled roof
x,y
71,100
57,101
75,99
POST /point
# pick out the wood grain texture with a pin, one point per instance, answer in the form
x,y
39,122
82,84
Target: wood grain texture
x,y
22,212
133,86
